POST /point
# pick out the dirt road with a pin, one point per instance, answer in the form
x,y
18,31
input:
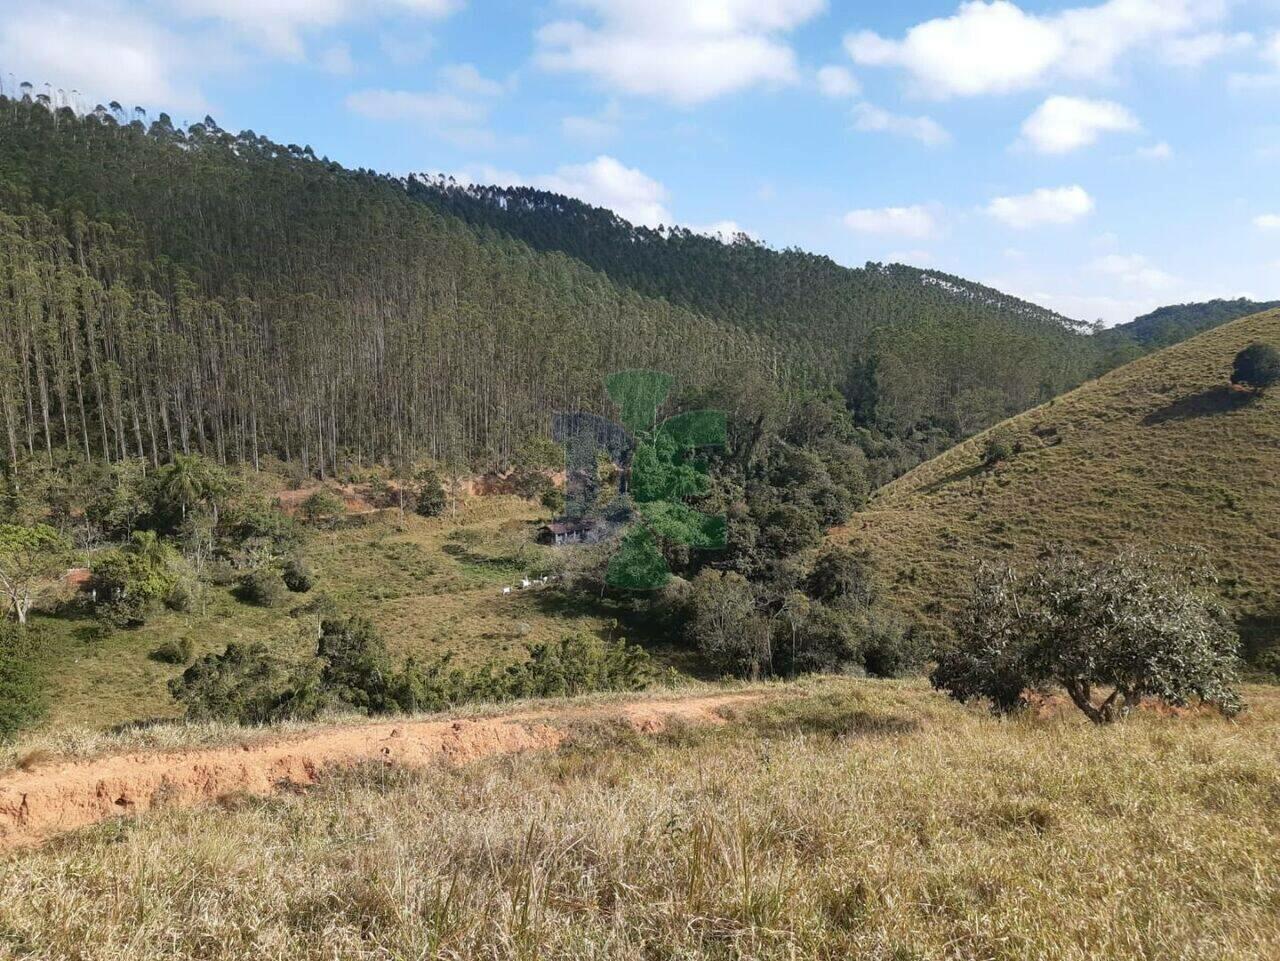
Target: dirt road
x,y
38,804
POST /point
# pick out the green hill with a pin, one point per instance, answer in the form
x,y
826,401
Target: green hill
x,y
169,289
1159,452
1175,323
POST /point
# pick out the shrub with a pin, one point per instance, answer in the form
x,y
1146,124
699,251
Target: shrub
x,y
553,500
356,668
321,505
297,575
22,686
174,652
130,582
1256,367
428,491
999,446
183,597
1137,625
247,685
262,588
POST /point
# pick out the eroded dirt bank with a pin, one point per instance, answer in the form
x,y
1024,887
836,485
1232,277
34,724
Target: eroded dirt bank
x,y
36,805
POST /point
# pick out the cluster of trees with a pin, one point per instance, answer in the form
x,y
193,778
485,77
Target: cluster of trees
x,y
351,670
766,598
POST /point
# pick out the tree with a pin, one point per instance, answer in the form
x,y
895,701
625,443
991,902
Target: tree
x,y
30,556
842,575
191,482
1138,625
725,625
1256,367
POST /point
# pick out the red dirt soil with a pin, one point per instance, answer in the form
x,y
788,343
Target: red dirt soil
x,y
38,804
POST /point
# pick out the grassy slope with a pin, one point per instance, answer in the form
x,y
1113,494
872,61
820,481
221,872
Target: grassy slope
x,y
1159,452
849,819
431,586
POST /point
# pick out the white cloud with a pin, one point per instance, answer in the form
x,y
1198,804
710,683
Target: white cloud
x,y
337,60
872,119
1269,78
1157,151
1267,221
686,53
996,47
1200,48
915,222
277,26
915,258
428,106
110,56
597,129
458,111
838,83
1063,124
605,182
465,78
1061,205
1135,271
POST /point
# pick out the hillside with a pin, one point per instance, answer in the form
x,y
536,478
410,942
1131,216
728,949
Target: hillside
x,y
1160,452
868,330
831,819
166,289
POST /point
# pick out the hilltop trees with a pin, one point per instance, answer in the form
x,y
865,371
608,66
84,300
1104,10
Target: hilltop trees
x,y
1256,367
1110,633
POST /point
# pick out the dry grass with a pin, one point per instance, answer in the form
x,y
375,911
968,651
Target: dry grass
x,y
855,820
1159,452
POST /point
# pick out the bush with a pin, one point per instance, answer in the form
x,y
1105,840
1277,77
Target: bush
x,y
999,446
245,684
356,668
1137,625
322,505
1256,367
428,492
183,597
130,582
22,685
262,588
297,575
174,652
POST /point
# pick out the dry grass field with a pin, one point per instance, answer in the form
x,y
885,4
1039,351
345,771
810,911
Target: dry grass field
x,y
1159,452
840,819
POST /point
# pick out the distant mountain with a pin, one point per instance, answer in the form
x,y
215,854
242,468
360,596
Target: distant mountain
x,y
1171,325
1160,453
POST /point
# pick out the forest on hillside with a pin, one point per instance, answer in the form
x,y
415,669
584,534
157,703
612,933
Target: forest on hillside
x,y
170,290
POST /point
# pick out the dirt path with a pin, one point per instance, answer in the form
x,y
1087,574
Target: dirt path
x,y
36,805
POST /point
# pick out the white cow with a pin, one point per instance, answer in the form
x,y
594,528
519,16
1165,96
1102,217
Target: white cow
x,y
525,582
506,590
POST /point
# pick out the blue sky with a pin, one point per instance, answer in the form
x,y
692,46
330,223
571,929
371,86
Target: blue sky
x,y
1101,157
